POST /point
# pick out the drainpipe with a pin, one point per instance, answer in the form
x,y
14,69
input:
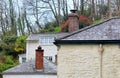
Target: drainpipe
x,y
101,50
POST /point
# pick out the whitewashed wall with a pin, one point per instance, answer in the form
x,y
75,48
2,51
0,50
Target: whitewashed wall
x,y
29,76
30,49
84,61
49,50
20,59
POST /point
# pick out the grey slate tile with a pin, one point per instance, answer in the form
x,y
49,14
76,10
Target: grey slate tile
x,y
107,30
29,68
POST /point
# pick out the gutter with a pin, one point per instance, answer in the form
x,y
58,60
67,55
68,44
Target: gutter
x,y
27,73
59,42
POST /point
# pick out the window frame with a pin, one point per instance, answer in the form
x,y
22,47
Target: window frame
x,y
46,40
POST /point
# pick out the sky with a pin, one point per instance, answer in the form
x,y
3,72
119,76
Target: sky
x,y
70,4
50,17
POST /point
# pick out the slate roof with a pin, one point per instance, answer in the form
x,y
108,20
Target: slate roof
x,y
29,68
107,30
35,37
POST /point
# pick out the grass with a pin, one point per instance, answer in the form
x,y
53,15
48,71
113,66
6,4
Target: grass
x,y
97,21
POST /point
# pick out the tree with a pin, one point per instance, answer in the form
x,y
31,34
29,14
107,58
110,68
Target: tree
x,y
20,44
64,7
93,10
12,18
109,8
8,45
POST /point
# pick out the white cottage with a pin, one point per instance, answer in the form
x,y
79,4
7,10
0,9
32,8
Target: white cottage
x,y
91,52
46,42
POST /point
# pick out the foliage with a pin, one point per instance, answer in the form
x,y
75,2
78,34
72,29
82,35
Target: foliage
x,y
97,21
13,45
57,29
20,44
8,45
64,26
5,67
50,27
9,39
84,21
5,59
50,24
6,62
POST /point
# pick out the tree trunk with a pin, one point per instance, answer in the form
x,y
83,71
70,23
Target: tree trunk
x,y
109,9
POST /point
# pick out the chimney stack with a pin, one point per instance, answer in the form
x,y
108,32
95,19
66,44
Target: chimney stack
x,y
73,21
39,58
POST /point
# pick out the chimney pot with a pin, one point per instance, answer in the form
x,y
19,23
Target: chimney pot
x,y
39,48
73,11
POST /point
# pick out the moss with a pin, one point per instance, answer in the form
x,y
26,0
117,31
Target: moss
x,y
97,21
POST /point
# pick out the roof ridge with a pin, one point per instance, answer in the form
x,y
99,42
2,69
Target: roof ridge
x,y
88,27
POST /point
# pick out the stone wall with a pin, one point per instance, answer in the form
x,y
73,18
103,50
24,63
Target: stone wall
x,y
86,61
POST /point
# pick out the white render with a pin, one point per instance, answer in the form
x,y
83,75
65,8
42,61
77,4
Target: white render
x,y
20,60
30,49
89,61
49,50
30,76
21,57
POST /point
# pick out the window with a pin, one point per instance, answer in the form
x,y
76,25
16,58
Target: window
x,y
23,60
49,58
46,40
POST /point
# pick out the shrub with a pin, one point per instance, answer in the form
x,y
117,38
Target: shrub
x,y
9,60
4,67
57,29
84,21
20,44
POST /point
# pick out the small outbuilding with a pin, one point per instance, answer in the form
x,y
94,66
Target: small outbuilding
x,y
40,67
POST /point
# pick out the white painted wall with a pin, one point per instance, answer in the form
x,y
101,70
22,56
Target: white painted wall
x,y
31,46
86,61
22,58
29,76
49,50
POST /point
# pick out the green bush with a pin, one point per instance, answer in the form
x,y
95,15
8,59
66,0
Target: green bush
x,y
57,29
9,60
4,67
6,62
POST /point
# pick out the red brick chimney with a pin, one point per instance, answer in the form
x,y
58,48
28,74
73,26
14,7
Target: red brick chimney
x,y
73,21
39,58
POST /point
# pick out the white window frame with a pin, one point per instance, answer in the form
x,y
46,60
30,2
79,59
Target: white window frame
x,y
46,40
